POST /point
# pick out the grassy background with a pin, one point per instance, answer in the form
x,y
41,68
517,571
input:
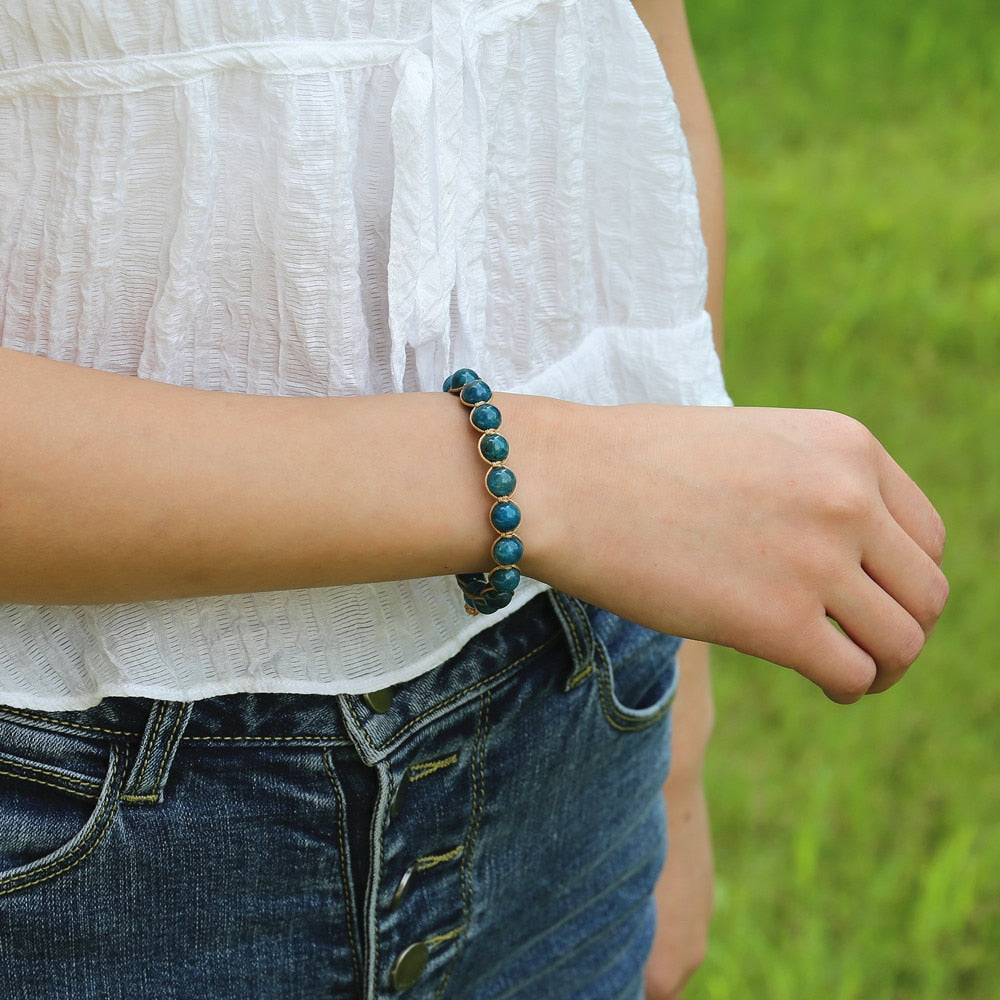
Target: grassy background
x,y
857,849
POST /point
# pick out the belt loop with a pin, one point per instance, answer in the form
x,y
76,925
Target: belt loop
x,y
572,614
151,767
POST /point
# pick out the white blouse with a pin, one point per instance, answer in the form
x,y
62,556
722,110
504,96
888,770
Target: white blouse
x,y
332,197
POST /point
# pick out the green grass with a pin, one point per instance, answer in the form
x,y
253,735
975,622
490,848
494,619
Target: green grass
x,y
857,849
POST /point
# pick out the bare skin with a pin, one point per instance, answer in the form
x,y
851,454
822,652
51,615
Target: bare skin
x,y
178,492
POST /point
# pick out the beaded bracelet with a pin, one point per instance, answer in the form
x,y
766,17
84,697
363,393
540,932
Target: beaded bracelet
x,y
486,593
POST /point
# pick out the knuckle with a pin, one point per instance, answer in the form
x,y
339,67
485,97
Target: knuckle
x,y
850,690
931,603
851,436
937,598
937,538
845,495
849,502
856,433
908,647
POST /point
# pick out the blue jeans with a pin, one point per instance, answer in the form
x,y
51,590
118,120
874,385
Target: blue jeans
x,y
491,829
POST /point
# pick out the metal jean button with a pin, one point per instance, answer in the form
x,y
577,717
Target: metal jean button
x,y
410,966
399,794
379,701
404,882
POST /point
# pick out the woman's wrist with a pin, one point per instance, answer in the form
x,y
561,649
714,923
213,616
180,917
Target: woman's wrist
x,y
541,431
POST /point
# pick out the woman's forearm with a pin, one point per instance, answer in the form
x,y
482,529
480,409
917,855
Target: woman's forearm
x,y
120,489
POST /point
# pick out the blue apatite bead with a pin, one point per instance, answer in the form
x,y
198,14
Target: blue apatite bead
x,y
505,516
505,580
486,417
499,600
475,392
472,584
501,482
507,551
494,447
493,602
460,378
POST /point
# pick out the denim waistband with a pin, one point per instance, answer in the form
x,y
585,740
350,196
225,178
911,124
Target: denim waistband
x,y
378,720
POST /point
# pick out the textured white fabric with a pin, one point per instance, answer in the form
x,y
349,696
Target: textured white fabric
x,y
299,197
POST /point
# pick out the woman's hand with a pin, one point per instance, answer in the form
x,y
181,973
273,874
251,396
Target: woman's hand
x,y
790,535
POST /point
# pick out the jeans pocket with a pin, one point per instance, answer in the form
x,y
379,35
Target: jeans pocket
x,y
58,795
636,671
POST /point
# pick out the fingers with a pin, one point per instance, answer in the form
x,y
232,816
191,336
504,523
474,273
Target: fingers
x,y
911,510
864,644
885,611
891,605
907,573
881,627
832,660
874,620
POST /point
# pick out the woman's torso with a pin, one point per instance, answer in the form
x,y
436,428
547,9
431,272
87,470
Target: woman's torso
x,y
302,198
